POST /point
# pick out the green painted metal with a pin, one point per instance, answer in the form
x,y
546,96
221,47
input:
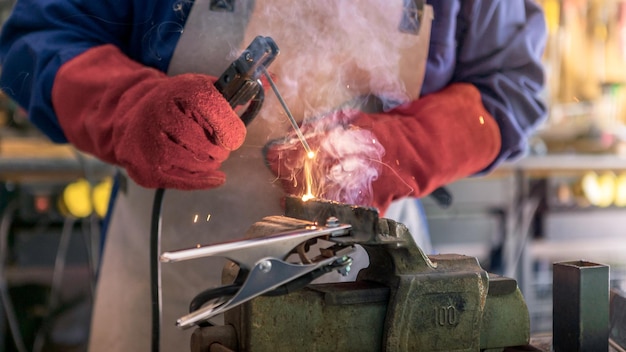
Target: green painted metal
x,y
404,300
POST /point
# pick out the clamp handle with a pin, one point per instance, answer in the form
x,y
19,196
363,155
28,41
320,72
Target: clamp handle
x,y
240,84
266,275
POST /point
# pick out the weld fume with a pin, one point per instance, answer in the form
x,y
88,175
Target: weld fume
x,y
332,53
353,162
347,160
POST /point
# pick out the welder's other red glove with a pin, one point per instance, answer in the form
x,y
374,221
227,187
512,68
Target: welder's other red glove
x,y
167,132
430,142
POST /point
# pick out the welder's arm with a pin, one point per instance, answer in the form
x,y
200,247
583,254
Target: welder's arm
x,y
431,142
500,51
167,132
440,138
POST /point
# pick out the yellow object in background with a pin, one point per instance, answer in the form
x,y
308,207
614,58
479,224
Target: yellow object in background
x,y
80,200
101,196
552,10
606,182
620,190
76,199
600,190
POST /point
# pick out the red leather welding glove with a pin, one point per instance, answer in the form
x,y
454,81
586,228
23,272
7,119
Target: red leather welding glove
x,y
408,151
167,132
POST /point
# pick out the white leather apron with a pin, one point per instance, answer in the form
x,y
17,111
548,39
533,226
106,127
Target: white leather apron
x,y
209,43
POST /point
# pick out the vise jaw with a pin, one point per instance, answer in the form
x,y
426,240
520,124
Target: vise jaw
x,y
403,301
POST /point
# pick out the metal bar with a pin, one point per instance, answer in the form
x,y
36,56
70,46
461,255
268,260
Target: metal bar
x,y
580,306
293,121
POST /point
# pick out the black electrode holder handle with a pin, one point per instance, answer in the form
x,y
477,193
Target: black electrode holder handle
x,y
240,83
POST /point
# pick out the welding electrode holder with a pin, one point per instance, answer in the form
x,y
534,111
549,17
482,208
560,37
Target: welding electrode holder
x,y
240,83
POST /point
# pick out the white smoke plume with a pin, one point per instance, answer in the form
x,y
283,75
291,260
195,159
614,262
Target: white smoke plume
x,y
353,163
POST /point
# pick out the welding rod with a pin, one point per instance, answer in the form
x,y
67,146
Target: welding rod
x,y
289,115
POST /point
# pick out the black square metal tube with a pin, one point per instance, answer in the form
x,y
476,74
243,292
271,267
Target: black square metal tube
x,y
580,318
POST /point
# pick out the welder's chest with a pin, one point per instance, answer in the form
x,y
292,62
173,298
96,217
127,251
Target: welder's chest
x,y
331,51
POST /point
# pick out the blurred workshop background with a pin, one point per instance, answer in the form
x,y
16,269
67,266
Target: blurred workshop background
x,y
52,199
565,201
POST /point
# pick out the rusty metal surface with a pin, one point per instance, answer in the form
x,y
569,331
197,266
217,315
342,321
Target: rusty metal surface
x,y
580,306
310,320
505,320
214,338
365,221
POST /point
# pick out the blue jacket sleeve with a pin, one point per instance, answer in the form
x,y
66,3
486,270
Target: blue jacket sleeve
x,y
496,45
40,36
500,50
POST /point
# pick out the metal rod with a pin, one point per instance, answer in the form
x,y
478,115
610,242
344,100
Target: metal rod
x,y
289,115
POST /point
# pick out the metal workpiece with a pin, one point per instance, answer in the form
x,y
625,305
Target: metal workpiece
x,y
248,251
580,306
367,227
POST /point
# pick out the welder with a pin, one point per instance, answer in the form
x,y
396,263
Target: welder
x,y
132,83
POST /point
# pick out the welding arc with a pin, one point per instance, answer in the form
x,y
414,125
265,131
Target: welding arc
x,y
287,111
